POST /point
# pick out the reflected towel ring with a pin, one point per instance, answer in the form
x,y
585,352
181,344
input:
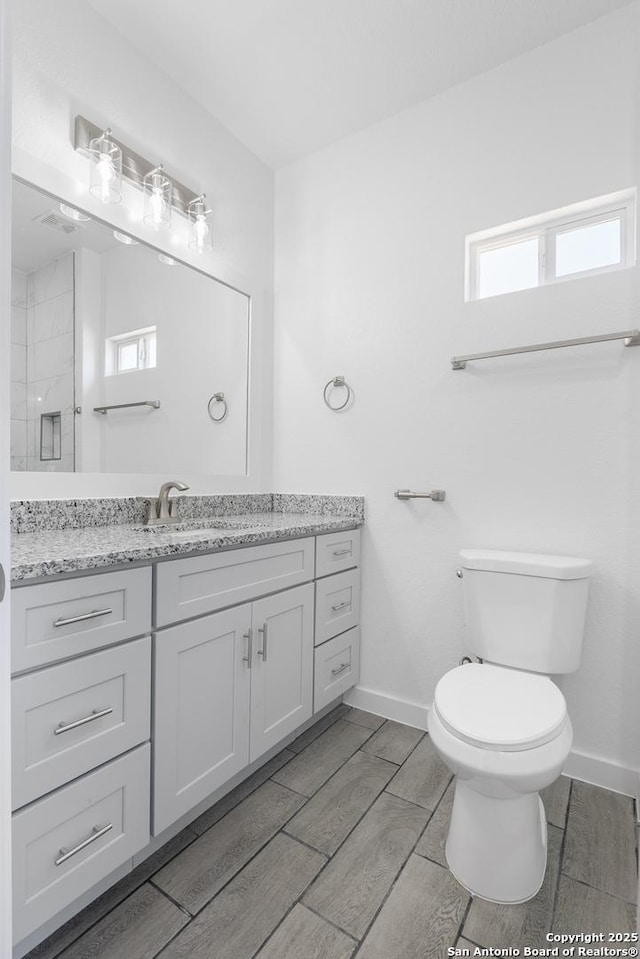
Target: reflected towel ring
x,y
218,398
337,382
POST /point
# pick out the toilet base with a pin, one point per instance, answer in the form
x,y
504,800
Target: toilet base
x,y
497,848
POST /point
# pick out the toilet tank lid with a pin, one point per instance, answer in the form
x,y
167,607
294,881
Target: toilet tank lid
x,y
526,564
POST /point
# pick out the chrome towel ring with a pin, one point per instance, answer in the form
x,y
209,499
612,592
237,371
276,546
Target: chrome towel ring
x,y
337,382
215,399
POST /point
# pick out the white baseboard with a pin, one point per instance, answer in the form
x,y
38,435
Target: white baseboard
x,y
589,769
411,714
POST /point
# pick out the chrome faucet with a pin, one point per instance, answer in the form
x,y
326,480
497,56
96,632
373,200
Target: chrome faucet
x,y
160,510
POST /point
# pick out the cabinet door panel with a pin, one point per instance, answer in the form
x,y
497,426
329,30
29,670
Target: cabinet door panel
x,y
201,722
282,674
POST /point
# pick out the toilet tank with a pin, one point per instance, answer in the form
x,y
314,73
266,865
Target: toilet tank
x,y
525,610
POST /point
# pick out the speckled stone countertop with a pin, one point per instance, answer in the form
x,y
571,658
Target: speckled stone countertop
x,y
51,552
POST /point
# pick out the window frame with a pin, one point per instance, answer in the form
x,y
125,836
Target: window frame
x,y
115,344
546,228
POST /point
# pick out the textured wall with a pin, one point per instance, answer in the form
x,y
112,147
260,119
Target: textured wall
x,y
536,453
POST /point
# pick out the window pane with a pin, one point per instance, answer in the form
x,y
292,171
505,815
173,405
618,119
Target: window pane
x,y
151,350
128,356
588,248
508,268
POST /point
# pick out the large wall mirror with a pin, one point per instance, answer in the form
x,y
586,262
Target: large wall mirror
x,y
122,360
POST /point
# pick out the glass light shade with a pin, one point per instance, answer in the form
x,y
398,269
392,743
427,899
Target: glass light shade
x,y
106,170
157,199
124,238
200,227
72,213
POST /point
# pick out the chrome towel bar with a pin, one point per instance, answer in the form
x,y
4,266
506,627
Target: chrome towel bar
x,y
630,337
155,404
437,495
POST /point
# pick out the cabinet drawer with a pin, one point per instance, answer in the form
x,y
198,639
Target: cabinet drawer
x,y
336,667
203,584
57,620
337,604
336,552
65,843
70,718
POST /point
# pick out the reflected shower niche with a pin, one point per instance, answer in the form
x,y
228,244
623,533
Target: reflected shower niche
x,y
118,353
42,365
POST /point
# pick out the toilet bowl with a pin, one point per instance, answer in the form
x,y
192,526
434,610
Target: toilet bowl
x,y
501,724
505,734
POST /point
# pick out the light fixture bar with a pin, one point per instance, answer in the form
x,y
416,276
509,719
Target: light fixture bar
x,y
134,166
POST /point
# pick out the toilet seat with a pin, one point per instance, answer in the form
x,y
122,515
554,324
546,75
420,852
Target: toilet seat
x,y
500,709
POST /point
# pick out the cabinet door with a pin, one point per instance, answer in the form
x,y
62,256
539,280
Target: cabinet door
x,y
282,673
201,721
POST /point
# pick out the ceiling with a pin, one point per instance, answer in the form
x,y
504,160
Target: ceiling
x,y
288,77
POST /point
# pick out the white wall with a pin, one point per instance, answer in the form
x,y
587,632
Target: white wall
x,y
68,60
536,453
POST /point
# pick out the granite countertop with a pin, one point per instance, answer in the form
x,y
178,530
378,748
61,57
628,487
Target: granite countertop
x,y
43,553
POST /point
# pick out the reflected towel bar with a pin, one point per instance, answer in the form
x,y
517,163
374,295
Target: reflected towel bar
x,y
155,404
630,337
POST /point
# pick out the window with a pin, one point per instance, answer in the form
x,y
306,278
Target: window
x,y
587,238
131,351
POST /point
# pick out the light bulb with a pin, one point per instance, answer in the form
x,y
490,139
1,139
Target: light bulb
x,y
201,232
157,205
106,174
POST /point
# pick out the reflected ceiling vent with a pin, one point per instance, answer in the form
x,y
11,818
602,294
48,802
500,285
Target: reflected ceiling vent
x,y
57,222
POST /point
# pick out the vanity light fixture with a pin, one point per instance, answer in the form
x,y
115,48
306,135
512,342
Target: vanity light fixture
x,y
123,238
72,213
157,199
198,212
113,159
167,260
106,170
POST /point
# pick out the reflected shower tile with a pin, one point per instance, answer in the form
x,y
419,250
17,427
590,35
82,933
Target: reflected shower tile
x,y
51,280
18,288
19,325
52,317
18,363
51,358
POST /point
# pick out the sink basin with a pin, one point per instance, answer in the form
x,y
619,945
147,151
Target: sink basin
x,y
191,528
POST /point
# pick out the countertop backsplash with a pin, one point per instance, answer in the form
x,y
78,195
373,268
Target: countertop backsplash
x,y
32,516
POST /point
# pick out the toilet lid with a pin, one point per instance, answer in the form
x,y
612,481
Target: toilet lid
x,y
501,709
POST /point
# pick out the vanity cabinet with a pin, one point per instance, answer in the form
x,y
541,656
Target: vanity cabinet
x,y
230,685
80,736
132,705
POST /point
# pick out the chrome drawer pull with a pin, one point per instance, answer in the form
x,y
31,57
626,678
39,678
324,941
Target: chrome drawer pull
x,y
340,669
97,833
343,552
82,618
96,714
249,637
340,606
263,652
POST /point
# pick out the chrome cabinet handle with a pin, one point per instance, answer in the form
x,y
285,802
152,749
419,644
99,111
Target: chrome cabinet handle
x,y
249,638
96,714
82,618
340,606
343,552
340,669
96,834
263,652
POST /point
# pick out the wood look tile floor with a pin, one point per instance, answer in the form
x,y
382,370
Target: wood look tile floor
x,y
335,849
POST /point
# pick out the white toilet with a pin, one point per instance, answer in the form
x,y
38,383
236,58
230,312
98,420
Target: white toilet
x,y
502,725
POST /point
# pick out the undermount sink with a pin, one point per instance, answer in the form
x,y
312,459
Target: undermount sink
x,y
192,528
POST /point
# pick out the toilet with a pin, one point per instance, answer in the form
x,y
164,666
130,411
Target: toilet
x,y
501,725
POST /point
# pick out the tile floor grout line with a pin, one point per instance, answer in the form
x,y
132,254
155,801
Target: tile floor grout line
x,y
556,895
116,905
168,896
465,917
